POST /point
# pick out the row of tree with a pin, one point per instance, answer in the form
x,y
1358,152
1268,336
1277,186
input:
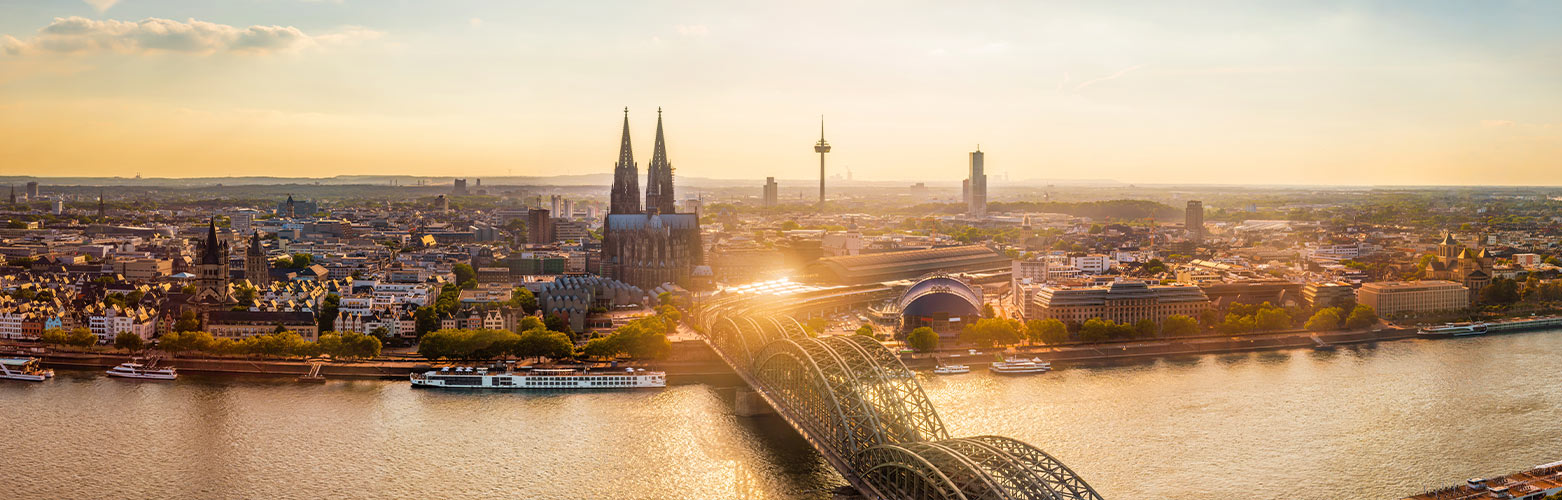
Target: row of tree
x,y
1334,318
489,344
346,345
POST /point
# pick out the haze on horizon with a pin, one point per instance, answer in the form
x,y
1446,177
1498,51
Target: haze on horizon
x,y
1155,92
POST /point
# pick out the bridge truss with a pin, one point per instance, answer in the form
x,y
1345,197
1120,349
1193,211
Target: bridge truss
x,y
859,405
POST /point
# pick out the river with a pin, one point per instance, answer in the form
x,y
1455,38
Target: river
x,y
1379,421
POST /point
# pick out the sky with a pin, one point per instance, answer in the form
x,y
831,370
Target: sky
x,y
1413,92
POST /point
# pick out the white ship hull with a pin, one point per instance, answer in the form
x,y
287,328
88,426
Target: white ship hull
x,y
140,372
523,381
23,369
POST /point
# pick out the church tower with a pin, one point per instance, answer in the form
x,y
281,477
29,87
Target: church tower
x,y
292,210
625,196
211,273
256,268
659,177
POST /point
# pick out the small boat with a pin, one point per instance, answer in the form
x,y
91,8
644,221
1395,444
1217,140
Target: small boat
x,y
24,369
944,369
1020,367
145,371
1454,330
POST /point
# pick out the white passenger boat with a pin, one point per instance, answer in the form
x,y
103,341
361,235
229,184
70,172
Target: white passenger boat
x,y
1454,330
1020,367
24,369
944,369
146,371
467,377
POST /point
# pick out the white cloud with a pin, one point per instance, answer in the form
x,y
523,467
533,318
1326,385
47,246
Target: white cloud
x,y
1496,123
78,34
101,5
693,30
475,22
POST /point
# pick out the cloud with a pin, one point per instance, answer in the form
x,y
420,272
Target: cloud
x,y
1114,76
693,30
68,35
101,5
1496,123
475,22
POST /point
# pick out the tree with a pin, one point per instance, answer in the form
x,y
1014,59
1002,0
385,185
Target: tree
x,y
988,312
427,320
1237,323
82,337
866,331
1325,319
1153,266
1361,317
1272,319
529,323
923,339
1500,291
817,325
329,309
55,336
556,323
188,321
1049,331
524,299
1145,328
463,272
1178,325
177,342
541,343
988,332
130,342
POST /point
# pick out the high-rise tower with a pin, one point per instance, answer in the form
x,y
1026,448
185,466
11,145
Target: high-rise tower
x,y
976,197
625,196
821,147
1193,221
659,177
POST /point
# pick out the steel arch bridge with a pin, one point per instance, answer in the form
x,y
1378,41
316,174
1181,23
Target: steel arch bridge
x,y
855,402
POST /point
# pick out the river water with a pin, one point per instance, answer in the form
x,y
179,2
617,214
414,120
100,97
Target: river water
x,y
1379,421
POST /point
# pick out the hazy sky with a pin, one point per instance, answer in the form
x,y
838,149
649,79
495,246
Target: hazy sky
x,y
1414,92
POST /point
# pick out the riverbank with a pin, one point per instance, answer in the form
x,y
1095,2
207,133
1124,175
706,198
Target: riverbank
x,y
688,361
1084,353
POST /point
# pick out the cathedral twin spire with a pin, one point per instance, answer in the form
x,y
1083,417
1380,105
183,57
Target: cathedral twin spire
x,y
625,196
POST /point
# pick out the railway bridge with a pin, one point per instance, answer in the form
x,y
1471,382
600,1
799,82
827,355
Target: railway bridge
x,y
856,403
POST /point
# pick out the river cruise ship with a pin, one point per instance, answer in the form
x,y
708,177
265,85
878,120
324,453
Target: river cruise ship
x,y
467,377
1454,330
143,370
24,369
1020,367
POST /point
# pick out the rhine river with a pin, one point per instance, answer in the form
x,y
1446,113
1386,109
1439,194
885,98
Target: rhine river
x,y
1379,421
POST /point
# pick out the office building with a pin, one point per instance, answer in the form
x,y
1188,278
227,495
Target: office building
x,y
1122,302
976,202
1193,221
771,192
539,227
1391,298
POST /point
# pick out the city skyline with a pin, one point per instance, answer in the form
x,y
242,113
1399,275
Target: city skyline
x,y
1355,94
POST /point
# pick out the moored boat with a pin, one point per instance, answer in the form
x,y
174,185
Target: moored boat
x,y
24,369
944,369
1453,330
504,378
1020,367
147,370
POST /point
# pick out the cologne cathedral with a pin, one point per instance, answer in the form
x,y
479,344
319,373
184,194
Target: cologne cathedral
x,y
651,247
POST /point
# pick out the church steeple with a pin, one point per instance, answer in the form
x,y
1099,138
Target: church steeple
x,y
625,196
659,178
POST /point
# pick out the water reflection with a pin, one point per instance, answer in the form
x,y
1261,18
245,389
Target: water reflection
x,y
1360,421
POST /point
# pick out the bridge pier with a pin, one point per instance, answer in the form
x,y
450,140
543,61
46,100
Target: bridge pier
x,y
747,403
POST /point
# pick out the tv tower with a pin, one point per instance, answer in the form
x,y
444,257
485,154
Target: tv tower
x,y
821,147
